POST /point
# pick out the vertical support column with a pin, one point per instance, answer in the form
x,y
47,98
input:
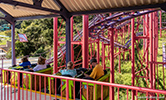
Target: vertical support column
x,y
55,22
119,64
147,46
144,34
98,50
85,41
13,43
72,50
68,41
151,49
103,55
160,24
133,55
112,63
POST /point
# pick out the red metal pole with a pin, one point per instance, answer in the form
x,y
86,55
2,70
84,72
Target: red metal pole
x,y
119,60
98,51
133,53
151,49
112,63
55,68
147,46
85,41
103,55
160,24
72,50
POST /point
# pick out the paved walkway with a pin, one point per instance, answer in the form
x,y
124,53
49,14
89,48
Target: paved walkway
x,y
8,93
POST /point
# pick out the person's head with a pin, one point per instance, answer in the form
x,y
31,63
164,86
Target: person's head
x,y
24,59
41,60
93,62
69,65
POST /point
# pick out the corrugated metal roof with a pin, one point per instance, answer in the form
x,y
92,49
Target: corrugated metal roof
x,y
21,12
72,6
87,5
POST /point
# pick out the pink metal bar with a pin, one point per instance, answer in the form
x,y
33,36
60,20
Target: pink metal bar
x,y
133,53
31,87
50,88
160,23
27,87
80,90
85,51
151,49
18,77
71,29
55,45
119,64
94,91
74,90
45,88
55,88
22,87
103,55
40,87
7,85
127,94
67,89
136,94
112,62
61,89
35,88
101,92
118,94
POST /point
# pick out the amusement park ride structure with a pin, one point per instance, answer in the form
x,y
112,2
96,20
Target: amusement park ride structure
x,y
133,34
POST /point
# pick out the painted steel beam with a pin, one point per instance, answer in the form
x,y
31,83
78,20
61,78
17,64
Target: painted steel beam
x,y
13,43
16,3
63,11
37,2
68,41
37,17
120,9
7,17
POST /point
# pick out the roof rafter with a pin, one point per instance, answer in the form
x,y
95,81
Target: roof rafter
x,y
16,3
162,5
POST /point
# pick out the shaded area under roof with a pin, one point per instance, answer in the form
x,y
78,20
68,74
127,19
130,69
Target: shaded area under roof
x,y
32,9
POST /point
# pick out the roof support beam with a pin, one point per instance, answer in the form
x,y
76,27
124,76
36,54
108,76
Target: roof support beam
x,y
16,3
37,2
65,14
9,18
36,17
120,9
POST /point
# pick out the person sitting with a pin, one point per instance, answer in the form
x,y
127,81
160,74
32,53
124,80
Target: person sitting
x,y
25,63
69,71
97,71
41,64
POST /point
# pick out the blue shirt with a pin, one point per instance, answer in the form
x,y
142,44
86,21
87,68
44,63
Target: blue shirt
x,y
69,72
25,64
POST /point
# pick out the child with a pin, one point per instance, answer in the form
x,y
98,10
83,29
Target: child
x,y
41,64
25,63
69,71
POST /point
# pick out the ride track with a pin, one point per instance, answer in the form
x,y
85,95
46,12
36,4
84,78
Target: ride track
x,y
100,24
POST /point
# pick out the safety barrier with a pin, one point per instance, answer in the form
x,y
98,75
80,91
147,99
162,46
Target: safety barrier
x,y
16,92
